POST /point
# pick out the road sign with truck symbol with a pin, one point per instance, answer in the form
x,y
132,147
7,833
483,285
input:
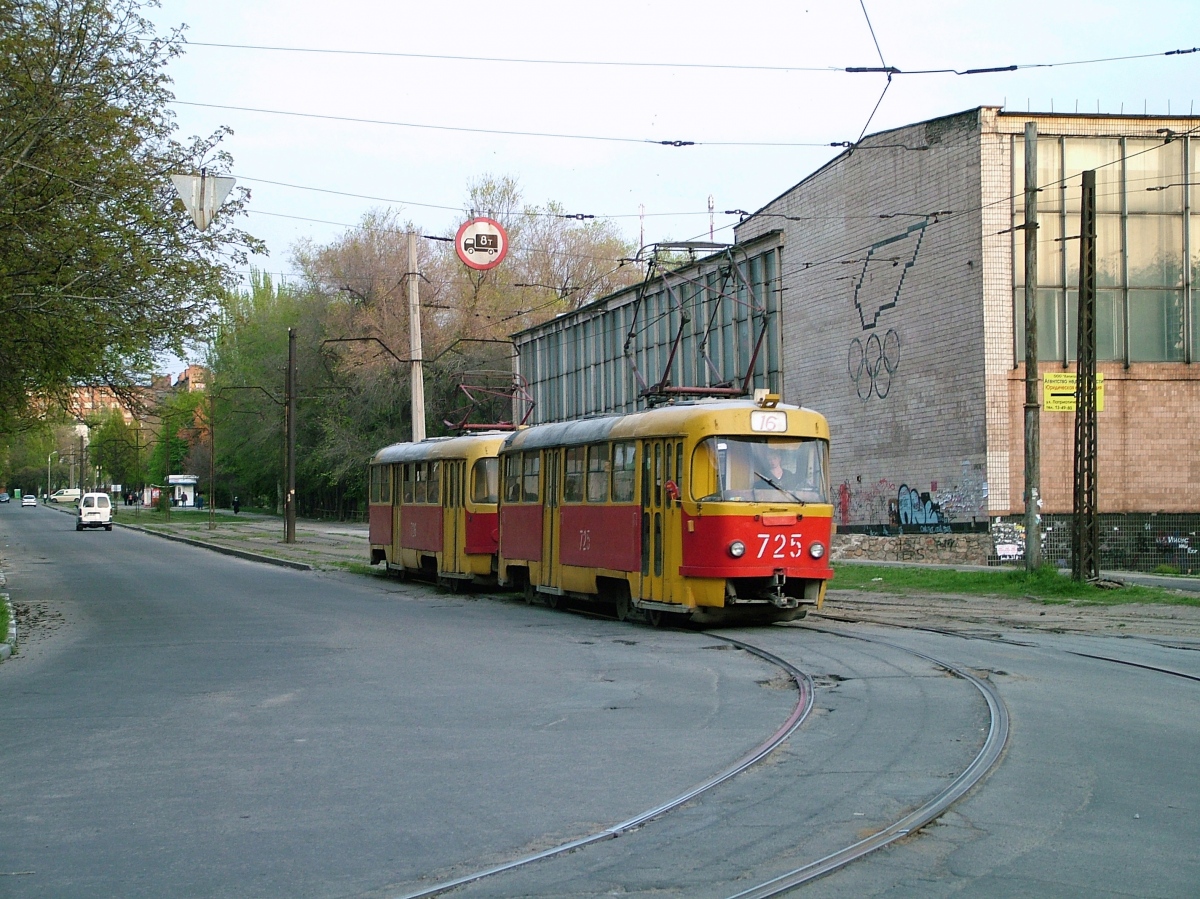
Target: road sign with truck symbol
x,y
481,243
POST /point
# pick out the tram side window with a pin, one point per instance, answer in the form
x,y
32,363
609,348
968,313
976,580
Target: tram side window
x,y
512,478
623,462
532,469
374,483
485,475
435,482
573,482
597,476
420,482
407,481
385,484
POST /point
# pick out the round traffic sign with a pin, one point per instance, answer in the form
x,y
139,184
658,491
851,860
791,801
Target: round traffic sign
x,y
482,243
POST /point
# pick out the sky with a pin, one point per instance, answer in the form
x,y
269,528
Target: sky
x,y
759,88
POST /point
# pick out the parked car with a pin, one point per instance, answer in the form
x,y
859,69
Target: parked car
x,y
66,495
95,511
3,497
28,500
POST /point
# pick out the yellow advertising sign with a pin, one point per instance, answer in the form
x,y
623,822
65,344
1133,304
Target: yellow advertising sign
x,y
1058,392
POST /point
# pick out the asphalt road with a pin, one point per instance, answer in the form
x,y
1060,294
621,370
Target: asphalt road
x,y
182,723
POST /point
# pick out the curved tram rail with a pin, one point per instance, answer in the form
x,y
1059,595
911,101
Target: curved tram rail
x,y
988,755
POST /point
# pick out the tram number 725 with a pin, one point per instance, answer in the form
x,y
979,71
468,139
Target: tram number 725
x,y
779,546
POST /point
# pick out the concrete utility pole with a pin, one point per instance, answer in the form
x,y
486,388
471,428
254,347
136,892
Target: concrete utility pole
x,y
212,460
1033,475
414,324
289,498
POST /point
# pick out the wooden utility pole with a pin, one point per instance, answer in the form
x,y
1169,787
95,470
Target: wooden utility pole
x,y
289,499
1085,539
1033,476
414,333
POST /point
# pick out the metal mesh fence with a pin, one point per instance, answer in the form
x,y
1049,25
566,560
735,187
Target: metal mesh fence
x,y
1149,542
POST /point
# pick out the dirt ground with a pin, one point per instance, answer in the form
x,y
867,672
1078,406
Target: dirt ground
x,y
991,615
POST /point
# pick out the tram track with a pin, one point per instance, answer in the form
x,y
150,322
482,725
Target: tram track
x,y
985,759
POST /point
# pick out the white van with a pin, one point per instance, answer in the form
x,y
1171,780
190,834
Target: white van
x,y
66,495
95,511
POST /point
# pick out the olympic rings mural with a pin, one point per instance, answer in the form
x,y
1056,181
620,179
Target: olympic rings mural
x,y
873,365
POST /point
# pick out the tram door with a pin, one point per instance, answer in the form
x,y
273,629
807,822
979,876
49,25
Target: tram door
x,y
551,466
454,522
661,550
399,472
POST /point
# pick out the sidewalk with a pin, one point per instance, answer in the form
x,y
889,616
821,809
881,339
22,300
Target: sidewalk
x,y
319,544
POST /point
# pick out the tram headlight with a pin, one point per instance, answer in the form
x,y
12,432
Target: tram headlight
x,y
816,550
737,549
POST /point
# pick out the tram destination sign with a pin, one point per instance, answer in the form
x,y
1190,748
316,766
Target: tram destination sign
x,y
481,243
1058,392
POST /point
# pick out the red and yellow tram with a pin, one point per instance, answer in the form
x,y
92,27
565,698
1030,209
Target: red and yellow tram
x,y
711,510
433,508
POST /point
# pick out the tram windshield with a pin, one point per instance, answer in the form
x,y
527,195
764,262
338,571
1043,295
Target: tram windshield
x,y
759,469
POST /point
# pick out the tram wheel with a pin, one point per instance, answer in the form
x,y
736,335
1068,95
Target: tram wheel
x,y
656,618
622,606
553,600
530,593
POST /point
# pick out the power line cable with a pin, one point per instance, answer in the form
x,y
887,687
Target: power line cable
x,y
511,133
981,70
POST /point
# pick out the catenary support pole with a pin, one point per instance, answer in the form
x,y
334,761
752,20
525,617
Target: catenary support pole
x,y
1085,564
414,324
289,499
1033,537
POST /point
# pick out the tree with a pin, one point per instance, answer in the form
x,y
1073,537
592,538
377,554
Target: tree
x,y
100,266
114,449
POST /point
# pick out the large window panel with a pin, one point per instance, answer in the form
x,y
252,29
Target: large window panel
x,y
1194,179
1110,325
1049,154
1050,324
1049,249
1101,156
1153,164
1195,237
1195,325
1155,250
1156,326
1108,251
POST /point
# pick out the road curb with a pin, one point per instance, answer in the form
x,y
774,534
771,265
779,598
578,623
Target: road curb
x,y
225,550
10,640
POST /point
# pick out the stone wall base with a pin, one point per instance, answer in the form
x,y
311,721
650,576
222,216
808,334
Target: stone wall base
x,y
949,549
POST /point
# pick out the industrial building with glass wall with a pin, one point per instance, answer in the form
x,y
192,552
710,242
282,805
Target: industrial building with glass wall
x,y
891,285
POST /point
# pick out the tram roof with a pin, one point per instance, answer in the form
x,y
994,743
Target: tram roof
x,y
485,443
662,420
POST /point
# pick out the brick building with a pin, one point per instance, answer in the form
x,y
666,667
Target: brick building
x,y
898,283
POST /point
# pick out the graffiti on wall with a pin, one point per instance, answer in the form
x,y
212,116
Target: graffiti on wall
x,y
929,511
870,505
919,509
873,361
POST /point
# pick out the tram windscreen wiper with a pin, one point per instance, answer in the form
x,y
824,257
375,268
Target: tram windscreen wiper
x,y
779,488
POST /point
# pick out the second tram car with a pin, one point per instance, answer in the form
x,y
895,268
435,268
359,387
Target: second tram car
x,y
708,510
433,508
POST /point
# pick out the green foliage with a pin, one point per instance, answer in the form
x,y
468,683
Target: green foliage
x,y
114,450
100,265
1046,584
181,425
